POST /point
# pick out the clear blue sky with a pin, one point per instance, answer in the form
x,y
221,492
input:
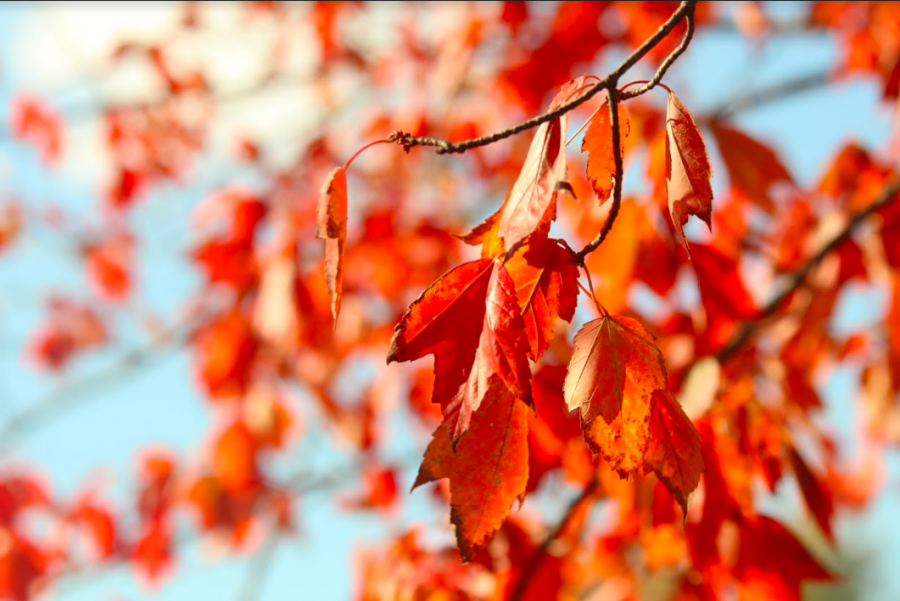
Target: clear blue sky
x,y
159,405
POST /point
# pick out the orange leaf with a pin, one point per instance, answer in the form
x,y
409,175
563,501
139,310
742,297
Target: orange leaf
x,y
601,165
687,169
618,379
470,321
544,168
545,277
331,225
234,458
487,471
752,167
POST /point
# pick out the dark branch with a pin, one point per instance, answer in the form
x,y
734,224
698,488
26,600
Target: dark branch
x,y
799,277
617,184
670,60
685,10
539,554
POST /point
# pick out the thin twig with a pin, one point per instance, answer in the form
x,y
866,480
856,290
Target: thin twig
x,y
617,183
407,141
668,62
799,277
536,559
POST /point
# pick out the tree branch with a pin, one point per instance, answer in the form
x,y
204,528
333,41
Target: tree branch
x,y
799,277
539,554
685,10
617,184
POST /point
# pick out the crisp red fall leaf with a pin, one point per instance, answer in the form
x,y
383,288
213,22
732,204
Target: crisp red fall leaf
x,y
470,321
544,168
687,169
601,165
488,470
546,281
617,379
331,225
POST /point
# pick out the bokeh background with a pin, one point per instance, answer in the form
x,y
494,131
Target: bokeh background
x,y
261,99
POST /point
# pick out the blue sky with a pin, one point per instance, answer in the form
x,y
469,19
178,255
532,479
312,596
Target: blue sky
x,y
158,406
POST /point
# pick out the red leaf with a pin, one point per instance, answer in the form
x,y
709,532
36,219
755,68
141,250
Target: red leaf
x,y
99,524
546,281
331,225
752,167
544,168
687,169
109,266
772,563
814,492
470,321
601,165
488,470
674,451
34,122
617,379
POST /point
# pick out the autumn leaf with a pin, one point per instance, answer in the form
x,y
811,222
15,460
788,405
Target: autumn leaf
x,y
488,470
546,281
470,321
544,168
331,225
601,165
687,169
752,167
817,497
487,235
772,562
673,451
614,370
617,378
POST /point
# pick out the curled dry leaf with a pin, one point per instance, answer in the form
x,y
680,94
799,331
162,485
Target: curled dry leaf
x,y
331,225
601,164
687,169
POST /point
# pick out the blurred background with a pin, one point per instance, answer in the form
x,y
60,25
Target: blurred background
x,y
177,418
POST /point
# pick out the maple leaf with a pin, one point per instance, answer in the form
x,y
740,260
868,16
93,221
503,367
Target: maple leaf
x,y
752,167
544,168
617,378
601,165
488,470
546,281
687,169
470,321
331,225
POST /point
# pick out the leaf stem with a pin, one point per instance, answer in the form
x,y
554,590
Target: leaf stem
x,y
366,147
